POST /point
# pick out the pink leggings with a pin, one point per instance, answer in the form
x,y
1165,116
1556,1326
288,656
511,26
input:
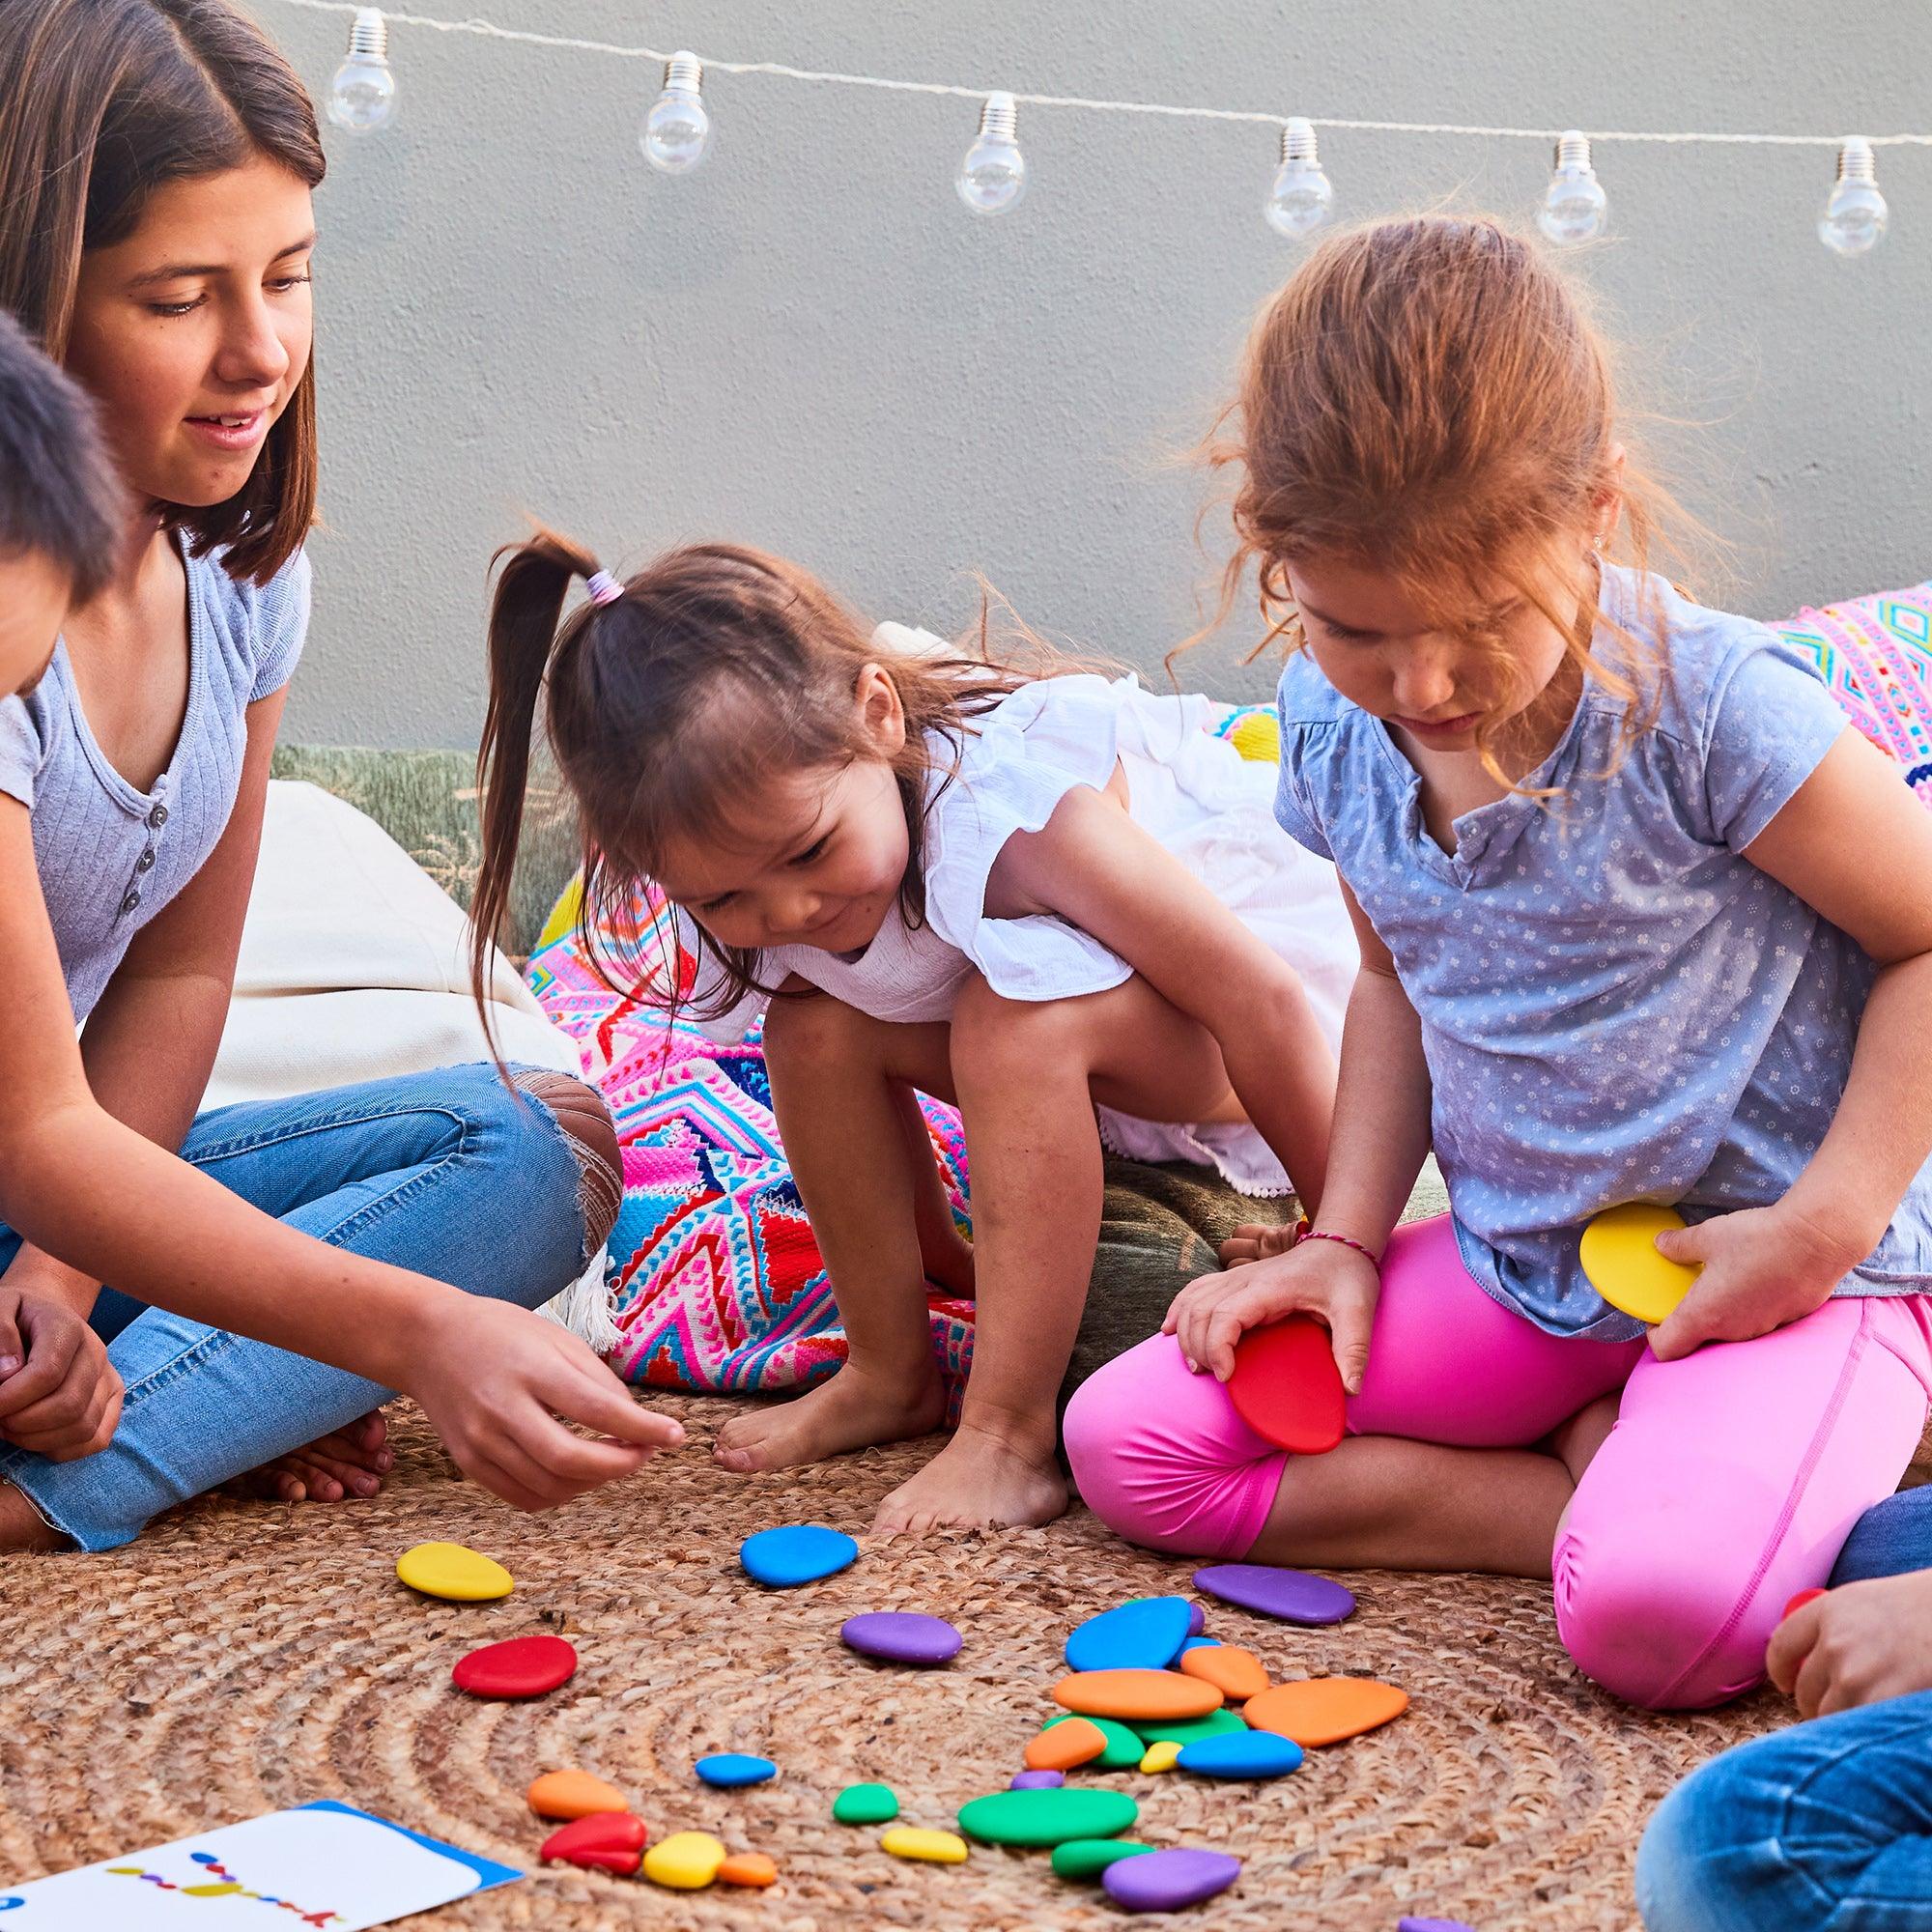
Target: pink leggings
x,y
1729,1482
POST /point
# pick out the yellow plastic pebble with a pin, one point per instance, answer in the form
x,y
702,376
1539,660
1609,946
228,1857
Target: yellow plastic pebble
x,y
686,1860
1162,1757
449,1570
1620,1259
937,1848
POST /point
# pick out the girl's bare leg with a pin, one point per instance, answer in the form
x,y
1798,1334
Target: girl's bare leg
x,y
837,1078
1027,1076
1386,1502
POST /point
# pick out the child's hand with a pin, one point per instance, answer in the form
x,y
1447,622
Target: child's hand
x,y
1333,1283
59,1394
1856,1645
1763,1267
1255,1241
494,1381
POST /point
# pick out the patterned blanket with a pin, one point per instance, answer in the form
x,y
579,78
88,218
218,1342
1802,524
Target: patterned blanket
x,y
717,1281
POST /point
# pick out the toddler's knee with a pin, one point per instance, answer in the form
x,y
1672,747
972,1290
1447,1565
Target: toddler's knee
x,y
1654,1620
1150,1462
805,1031
591,1136
1680,1883
996,1039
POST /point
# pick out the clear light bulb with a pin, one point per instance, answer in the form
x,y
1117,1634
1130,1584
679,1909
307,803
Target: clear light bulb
x,y
362,96
677,131
1574,204
992,177
1855,214
1303,197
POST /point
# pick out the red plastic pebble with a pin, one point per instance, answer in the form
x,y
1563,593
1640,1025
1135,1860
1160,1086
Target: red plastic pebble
x,y
523,1666
611,1841
1285,1385
1799,1602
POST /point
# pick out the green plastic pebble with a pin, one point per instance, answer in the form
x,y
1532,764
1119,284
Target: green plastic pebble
x,y
1191,1730
1047,1817
865,1804
1123,1745
1089,1858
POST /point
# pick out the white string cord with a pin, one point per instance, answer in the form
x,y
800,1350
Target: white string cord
x,y
489,30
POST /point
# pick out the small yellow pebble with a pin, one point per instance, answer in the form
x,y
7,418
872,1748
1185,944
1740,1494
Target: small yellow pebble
x,y
449,1570
1162,1757
938,1848
686,1860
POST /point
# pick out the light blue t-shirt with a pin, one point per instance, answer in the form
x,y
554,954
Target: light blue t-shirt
x,y
110,857
1615,1004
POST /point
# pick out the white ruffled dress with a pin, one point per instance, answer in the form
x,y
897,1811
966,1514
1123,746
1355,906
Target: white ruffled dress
x,y
1188,789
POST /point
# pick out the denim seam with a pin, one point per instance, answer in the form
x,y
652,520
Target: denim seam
x,y
1814,1450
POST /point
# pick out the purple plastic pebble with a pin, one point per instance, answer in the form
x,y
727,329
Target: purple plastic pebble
x,y
901,1636
1291,1595
1432,1926
1164,1881
1197,1620
1037,1781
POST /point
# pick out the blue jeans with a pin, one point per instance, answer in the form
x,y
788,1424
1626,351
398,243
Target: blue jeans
x,y
449,1173
1823,1828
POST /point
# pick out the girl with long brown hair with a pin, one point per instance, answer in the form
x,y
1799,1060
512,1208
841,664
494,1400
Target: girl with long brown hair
x,y
1594,837
1038,896
156,160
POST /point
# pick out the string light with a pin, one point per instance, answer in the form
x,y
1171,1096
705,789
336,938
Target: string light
x,y
1857,188
362,96
1854,216
1573,205
992,176
677,131
1303,197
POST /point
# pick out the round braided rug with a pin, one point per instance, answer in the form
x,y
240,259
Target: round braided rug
x,y
246,1656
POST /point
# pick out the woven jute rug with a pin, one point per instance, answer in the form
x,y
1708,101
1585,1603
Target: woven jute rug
x,y
243,1655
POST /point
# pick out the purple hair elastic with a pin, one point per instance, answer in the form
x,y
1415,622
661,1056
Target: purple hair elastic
x,y
603,588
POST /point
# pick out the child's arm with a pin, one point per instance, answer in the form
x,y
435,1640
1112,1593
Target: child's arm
x,y
82,1185
1091,866
148,1048
1381,1136
1856,845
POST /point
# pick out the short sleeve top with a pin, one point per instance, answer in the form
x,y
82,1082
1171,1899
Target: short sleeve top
x,y
110,857
1616,1004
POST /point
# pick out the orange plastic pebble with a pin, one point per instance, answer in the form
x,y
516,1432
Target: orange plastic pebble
x,y
1136,1697
1325,1710
574,1794
1235,1673
749,1868
1073,1742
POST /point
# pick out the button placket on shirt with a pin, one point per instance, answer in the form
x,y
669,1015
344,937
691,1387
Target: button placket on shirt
x,y
156,818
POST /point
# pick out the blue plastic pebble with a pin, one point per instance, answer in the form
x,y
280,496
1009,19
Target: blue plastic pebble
x,y
1145,1635
797,1553
1201,1644
732,1768
1242,1754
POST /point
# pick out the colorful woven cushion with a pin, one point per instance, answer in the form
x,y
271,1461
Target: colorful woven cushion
x,y
718,1283
1876,654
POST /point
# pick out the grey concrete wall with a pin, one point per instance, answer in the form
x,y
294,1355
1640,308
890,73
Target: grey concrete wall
x,y
810,344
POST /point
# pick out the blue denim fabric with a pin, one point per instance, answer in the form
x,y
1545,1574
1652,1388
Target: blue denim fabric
x,y
1823,1828
1891,1538
449,1173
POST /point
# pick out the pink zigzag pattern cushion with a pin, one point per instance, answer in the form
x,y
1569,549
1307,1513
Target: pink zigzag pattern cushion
x,y
719,1284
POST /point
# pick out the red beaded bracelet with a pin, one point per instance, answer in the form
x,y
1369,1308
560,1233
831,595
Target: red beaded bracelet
x,y
1304,1232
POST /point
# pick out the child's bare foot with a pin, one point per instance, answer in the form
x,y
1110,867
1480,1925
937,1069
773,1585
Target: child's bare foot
x,y
854,1409
350,1461
978,1478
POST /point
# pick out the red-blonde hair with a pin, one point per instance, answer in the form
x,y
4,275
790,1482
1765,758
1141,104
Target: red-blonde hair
x,y
1430,398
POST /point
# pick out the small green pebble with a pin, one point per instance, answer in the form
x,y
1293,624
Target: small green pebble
x,y
1124,1748
865,1804
1189,1730
1047,1817
1089,1858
